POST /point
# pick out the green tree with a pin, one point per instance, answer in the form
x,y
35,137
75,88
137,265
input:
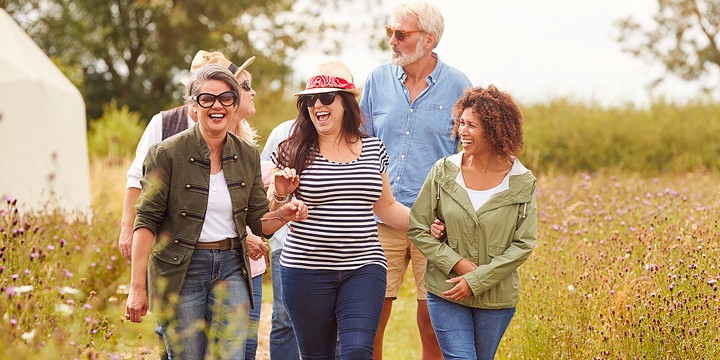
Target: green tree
x,y
683,37
135,51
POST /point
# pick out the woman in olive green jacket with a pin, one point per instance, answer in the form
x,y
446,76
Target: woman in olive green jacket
x,y
200,189
486,198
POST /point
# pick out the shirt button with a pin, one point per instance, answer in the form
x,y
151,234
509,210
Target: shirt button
x,y
440,107
407,133
175,258
402,156
192,159
176,242
405,91
187,186
235,157
397,178
411,110
242,184
183,214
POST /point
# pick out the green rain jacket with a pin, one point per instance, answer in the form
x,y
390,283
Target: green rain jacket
x,y
498,237
173,202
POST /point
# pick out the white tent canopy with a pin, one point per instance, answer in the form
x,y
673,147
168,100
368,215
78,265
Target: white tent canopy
x,y
43,139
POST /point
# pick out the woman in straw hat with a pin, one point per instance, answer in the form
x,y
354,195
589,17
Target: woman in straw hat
x,y
201,188
334,270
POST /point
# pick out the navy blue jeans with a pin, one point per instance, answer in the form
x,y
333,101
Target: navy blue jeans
x,y
325,303
214,300
252,338
283,344
467,333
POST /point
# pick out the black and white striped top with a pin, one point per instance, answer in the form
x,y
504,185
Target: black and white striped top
x,y
340,232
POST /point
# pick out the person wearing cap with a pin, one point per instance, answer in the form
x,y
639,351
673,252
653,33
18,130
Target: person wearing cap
x,y
333,267
200,189
407,103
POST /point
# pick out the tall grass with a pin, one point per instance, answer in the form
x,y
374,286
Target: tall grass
x,y
567,137
625,266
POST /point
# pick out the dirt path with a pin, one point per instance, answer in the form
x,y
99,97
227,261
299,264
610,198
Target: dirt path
x,y
263,351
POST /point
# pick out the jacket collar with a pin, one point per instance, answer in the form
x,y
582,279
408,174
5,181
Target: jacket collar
x,y
229,151
521,186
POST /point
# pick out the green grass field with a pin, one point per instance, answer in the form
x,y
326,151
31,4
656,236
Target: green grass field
x,y
625,265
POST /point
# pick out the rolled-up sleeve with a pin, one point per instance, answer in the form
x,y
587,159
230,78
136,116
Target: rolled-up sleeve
x,y
155,182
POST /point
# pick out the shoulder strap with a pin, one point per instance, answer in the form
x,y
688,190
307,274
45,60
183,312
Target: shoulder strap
x,y
174,121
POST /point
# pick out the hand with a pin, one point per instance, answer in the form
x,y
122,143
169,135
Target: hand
x,y
295,210
437,229
286,181
464,266
125,242
459,292
136,305
257,248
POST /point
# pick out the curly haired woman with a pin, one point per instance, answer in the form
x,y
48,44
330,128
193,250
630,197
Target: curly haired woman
x,y
486,198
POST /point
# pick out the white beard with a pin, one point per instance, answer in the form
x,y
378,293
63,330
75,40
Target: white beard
x,y
404,60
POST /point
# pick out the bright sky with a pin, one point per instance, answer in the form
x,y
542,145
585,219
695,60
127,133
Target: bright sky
x,y
537,50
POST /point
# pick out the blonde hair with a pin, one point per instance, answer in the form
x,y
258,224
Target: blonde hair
x,y
244,130
430,19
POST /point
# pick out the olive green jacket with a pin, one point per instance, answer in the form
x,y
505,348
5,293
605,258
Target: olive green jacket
x,y
174,198
498,237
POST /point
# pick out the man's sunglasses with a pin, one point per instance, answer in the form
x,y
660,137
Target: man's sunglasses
x,y
325,98
245,85
399,34
207,100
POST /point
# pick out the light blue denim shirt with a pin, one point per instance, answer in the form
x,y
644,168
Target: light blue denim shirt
x,y
415,135
278,134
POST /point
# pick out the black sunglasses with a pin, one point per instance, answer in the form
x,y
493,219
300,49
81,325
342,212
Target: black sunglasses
x,y
245,85
325,98
399,34
207,100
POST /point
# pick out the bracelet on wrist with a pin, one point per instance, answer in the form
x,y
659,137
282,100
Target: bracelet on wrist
x,y
280,199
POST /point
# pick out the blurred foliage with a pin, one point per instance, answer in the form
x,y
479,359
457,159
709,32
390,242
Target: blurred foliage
x,y
683,37
115,134
562,136
135,52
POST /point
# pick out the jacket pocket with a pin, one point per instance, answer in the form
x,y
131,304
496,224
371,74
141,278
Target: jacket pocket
x,y
173,255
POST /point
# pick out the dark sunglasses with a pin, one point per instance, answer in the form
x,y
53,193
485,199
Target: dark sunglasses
x,y
207,100
325,98
245,85
399,34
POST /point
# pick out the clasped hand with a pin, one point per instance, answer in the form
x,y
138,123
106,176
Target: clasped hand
x,y
295,210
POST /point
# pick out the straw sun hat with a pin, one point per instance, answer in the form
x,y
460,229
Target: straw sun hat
x,y
328,77
203,58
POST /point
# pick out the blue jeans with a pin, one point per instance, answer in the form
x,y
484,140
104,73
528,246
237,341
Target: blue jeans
x,y
214,301
252,338
283,344
323,303
467,333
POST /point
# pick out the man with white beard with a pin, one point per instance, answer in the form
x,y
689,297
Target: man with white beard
x,y
407,103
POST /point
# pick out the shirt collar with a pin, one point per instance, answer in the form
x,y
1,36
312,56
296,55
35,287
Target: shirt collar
x,y
401,75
